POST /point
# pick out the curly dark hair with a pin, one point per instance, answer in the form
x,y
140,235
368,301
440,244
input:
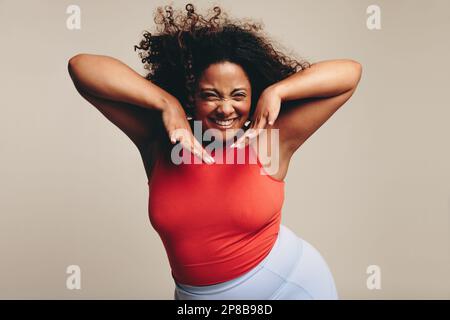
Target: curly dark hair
x,y
185,44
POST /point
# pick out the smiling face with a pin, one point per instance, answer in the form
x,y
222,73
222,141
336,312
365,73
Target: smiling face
x,y
223,98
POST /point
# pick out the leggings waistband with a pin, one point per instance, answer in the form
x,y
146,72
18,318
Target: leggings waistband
x,y
281,260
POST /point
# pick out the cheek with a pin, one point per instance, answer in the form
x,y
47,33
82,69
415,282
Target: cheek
x,y
244,109
203,109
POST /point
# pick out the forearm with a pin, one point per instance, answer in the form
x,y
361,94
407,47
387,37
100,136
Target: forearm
x,y
109,78
322,79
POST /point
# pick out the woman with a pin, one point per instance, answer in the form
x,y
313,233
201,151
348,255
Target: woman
x,y
220,222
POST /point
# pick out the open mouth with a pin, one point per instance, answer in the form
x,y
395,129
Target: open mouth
x,y
224,124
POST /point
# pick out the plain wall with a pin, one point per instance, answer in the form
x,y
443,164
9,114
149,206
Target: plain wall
x,y
370,187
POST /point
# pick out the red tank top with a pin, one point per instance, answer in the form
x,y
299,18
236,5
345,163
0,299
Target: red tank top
x,y
216,221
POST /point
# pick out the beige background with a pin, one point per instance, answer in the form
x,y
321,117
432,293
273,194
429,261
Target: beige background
x,y
370,187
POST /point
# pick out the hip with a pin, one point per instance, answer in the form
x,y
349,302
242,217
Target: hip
x,y
293,269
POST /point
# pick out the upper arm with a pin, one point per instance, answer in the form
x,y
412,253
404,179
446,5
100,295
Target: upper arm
x,y
299,119
136,122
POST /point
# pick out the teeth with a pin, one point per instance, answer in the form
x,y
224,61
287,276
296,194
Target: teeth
x,y
224,123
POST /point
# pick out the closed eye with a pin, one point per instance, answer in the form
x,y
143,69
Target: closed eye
x,y
240,96
209,96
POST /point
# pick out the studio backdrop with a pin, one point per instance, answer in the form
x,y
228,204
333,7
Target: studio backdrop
x,y
370,189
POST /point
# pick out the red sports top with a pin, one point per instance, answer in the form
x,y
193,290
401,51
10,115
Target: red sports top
x,y
216,221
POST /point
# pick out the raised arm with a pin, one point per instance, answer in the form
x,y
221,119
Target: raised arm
x,y
311,96
126,98
130,101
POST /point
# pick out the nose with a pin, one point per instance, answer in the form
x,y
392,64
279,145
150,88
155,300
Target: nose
x,y
225,108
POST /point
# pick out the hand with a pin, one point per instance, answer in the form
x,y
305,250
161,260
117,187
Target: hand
x,y
266,112
178,129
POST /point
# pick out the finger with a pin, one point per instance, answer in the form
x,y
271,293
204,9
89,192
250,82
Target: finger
x,y
258,127
251,133
272,117
188,145
243,137
239,140
197,152
187,141
176,134
171,134
203,154
255,131
191,144
207,157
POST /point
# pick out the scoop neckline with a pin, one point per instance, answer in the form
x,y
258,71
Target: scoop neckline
x,y
247,146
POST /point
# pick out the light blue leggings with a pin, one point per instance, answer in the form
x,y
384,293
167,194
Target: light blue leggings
x,y
293,270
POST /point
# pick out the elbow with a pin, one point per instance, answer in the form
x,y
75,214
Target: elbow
x,y
77,61
73,67
357,67
355,73
74,62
